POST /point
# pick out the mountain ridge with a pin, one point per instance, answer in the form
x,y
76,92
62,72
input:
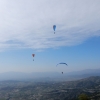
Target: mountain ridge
x,y
49,75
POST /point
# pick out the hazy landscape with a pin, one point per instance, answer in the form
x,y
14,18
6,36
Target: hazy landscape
x,y
49,76
66,90
59,87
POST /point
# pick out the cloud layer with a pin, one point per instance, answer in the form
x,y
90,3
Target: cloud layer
x,y
28,23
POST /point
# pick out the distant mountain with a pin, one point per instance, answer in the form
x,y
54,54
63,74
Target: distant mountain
x,y
27,76
49,76
86,71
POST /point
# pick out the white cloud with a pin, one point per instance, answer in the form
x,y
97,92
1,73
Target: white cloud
x,y
28,23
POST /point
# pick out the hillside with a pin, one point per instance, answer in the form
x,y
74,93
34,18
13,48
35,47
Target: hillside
x,y
67,90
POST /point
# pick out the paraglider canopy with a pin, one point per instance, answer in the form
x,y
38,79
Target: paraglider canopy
x,y
54,28
61,63
33,56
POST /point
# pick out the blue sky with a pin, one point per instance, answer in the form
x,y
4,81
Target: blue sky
x,y
78,57
27,27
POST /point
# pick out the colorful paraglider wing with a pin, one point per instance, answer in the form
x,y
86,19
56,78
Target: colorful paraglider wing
x,y
54,27
33,55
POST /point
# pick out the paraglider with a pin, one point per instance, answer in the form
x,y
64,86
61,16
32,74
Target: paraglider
x,y
61,63
54,28
33,56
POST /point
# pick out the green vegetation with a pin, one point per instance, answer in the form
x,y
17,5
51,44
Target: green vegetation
x,y
83,97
